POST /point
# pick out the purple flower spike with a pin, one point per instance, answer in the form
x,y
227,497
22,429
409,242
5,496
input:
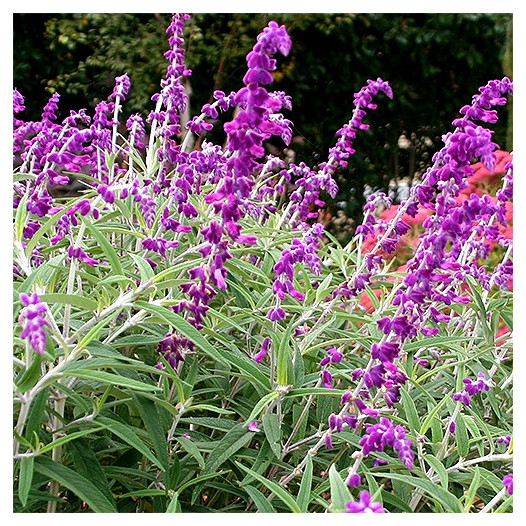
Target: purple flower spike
x,y
32,321
364,505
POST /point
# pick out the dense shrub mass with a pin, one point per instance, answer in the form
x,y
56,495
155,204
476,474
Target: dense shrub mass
x,y
189,338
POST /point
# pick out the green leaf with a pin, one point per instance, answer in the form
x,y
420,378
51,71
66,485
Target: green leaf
x,y
68,438
81,486
340,493
110,379
233,441
199,479
150,416
272,430
260,500
86,464
175,505
461,434
283,356
71,299
129,436
25,478
318,391
30,376
447,499
303,498
432,414
95,331
439,469
411,413
20,218
106,246
471,494
145,269
36,414
281,493
261,404
192,449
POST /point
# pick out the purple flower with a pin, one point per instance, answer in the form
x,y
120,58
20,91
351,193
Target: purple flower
x,y
78,253
507,481
326,378
253,427
354,480
383,434
122,87
32,321
174,348
472,387
264,350
364,505
504,439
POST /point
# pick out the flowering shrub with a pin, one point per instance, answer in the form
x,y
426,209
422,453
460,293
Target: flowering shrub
x,y
188,338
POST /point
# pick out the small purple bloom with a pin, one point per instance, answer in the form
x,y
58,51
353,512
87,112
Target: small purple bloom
x,y
507,481
253,427
364,505
326,378
354,480
264,350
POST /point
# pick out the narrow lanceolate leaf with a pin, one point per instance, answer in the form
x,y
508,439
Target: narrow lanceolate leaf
x,y
175,505
340,493
106,246
471,494
260,500
303,498
281,493
152,422
272,430
461,434
261,404
233,441
192,449
410,410
439,469
129,436
81,486
25,478
71,299
447,499
111,379
68,438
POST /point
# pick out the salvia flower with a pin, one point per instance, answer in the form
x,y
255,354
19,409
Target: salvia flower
x,y
253,427
122,87
32,321
472,387
507,481
263,351
383,434
364,505
174,347
354,480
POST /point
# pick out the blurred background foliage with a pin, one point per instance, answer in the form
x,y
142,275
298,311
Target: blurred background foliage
x,y
434,63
